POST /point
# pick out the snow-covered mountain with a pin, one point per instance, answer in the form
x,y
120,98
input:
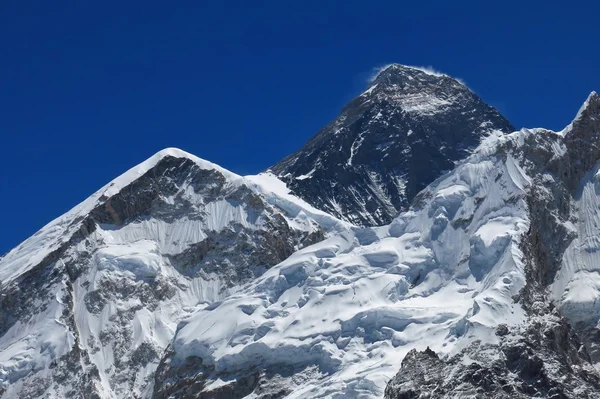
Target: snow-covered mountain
x,y
483,274
90,302
404,131
180,279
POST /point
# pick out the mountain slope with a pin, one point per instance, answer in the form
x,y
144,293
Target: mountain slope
x,y
342,314
89,303
466,273
554,352
389,143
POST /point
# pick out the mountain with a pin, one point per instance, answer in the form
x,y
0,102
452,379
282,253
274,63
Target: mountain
x,y
180,279
90,302
409,127
486,287
554,352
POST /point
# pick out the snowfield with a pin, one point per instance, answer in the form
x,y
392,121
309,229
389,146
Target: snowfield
x,y
442,276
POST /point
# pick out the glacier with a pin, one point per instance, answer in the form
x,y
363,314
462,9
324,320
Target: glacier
x,y
441,276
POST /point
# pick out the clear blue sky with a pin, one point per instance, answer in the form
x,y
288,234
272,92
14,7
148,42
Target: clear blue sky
x,y
89,89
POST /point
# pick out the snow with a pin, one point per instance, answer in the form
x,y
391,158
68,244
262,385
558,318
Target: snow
x,y
421,103
352,305
585,105
32,346
517,175
299,211
130,256
369,90
139,259
134,173
354,148
357,302
307,175
497,229
125,264
576,287
54,234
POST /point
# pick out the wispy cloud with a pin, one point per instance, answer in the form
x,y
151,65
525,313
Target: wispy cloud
x,y
376,71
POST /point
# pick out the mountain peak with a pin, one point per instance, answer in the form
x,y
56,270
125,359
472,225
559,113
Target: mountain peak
x,y
178,153
587,119
102,288
173,151
410,86
134,173
403,75
394,69
591,107
410,126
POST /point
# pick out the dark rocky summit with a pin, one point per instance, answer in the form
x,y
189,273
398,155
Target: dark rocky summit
x,y
388,144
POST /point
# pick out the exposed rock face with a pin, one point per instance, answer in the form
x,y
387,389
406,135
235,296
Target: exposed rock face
x,y
388,144
193,379
541,360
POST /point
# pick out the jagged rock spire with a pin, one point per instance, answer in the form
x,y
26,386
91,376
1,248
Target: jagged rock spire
x,y
589,114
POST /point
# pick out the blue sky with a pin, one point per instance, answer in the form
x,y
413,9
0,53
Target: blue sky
x,y
89,89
